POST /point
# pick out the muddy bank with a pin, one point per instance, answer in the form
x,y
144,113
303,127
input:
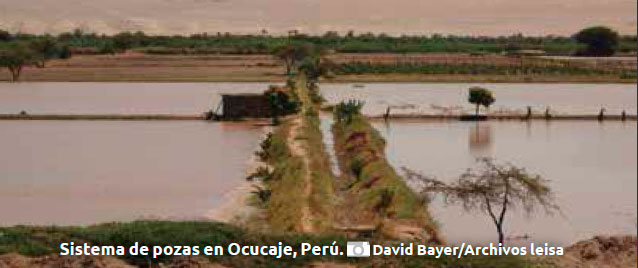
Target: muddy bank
x,y
601,252
15,260
373,191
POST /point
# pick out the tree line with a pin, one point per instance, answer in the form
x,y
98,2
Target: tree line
x,y
297,49
350,42
16,54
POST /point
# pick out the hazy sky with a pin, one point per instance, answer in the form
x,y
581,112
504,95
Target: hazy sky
x,y
475,17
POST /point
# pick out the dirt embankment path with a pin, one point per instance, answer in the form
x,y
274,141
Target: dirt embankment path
x,y
298,147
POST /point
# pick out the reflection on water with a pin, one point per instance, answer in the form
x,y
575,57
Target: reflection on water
x,y
328,141
591,165
480,139
451,98
84,172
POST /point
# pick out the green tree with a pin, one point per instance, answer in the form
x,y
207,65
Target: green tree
x,y
16,56
125,40
48,49
494,189
282,102
5,36
292,54
315,66
599,41
480,96
107,47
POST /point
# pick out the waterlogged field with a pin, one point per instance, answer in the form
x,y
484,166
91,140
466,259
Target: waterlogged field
x,y
77,172
86,172
451,98
118,98
591,165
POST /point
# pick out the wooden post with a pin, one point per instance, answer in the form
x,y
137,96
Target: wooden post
x,y
529,113
623,115
601,114
386,116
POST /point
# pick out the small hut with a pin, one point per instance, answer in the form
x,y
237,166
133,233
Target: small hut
x,y
240,106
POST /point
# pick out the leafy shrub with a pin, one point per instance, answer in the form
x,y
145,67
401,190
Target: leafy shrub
x,y
262,173
356,167
272,149
290,83
283,101
347,111
262,194
265,145
386,196
315,95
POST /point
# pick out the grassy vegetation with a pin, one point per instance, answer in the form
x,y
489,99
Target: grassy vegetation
x,y
322,198
284,200
227,43
378,190
477,69
285,195
38,241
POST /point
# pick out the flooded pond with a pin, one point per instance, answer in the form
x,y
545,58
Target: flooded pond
x,y
118,98
451,98
591,165
85,172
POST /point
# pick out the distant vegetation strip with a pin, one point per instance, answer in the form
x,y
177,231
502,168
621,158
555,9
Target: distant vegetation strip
x,y
227,43
477,69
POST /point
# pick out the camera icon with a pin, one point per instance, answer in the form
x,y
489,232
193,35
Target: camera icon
x,y
358,249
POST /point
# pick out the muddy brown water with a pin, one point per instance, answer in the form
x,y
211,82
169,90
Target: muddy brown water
x,y
591,165
118,98
85,172
451,98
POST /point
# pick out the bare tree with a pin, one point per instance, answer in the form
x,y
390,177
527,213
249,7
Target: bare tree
x,y
494,189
